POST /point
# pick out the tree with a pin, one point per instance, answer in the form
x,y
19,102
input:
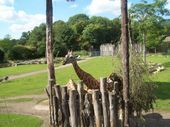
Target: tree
x,y
92,36
49,56
99,31
20,52
37,39
64,38
6,44
24,38
78,18
125,60
146,14
78,23
2,55
116,30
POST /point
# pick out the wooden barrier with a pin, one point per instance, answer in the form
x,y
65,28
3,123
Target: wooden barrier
x,y
79,108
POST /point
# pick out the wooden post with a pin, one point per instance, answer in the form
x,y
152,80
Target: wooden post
x,y
113,110
49,55
57,90
80,89
125,60
56,108
105,101
97,109
65,108
73,108
88,117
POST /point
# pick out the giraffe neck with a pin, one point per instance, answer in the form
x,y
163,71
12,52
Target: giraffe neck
x,y
87,79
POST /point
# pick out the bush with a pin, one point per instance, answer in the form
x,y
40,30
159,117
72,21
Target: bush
x,y
141,88
2,56
20,52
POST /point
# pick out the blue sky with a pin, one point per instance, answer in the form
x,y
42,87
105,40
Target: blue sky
x,y
17,16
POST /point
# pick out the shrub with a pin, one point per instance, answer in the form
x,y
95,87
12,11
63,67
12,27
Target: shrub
x,y
2,56
20,52
142,89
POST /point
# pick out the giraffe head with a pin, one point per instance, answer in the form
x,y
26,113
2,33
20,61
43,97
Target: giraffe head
x,y
69,58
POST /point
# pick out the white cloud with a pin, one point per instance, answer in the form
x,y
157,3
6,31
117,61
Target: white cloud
x,y
6,2
29,22
104,6
168,4
7,13
19,21
74,6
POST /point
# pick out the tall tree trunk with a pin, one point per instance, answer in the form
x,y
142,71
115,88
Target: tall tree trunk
x,y
49,56
144,47
125,60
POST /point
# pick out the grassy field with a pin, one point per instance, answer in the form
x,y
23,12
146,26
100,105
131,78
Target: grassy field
x,y
18,100
14,120
22,69
98,67
162,80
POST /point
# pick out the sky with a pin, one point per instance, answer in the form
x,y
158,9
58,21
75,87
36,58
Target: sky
x,y
17,16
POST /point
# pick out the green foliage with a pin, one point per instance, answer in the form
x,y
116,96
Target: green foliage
x,y
2,55
20,52
142,89
37,39
6,44
24,38
147,20
116,30
16,120
78,18
64,38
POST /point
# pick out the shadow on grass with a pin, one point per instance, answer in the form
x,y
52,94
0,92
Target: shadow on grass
x,y
156,120
150,120
163,90
166,64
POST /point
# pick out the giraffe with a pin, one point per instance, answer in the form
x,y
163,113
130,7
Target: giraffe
x,y
93,83
87,78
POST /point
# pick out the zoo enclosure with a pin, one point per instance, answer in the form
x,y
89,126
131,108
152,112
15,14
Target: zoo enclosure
x,y
79,108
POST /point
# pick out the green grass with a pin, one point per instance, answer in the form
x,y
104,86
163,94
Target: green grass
x,y
98,67
22,69
162,80
18,100
14,120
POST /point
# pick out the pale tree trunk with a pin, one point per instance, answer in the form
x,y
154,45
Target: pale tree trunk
x,y
125,61
144,47
49,56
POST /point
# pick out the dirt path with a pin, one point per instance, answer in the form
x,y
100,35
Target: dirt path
x,y
28,108
13,77
39,107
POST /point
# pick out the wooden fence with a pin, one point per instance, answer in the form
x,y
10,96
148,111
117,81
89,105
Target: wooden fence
x,y
79,108
108,50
